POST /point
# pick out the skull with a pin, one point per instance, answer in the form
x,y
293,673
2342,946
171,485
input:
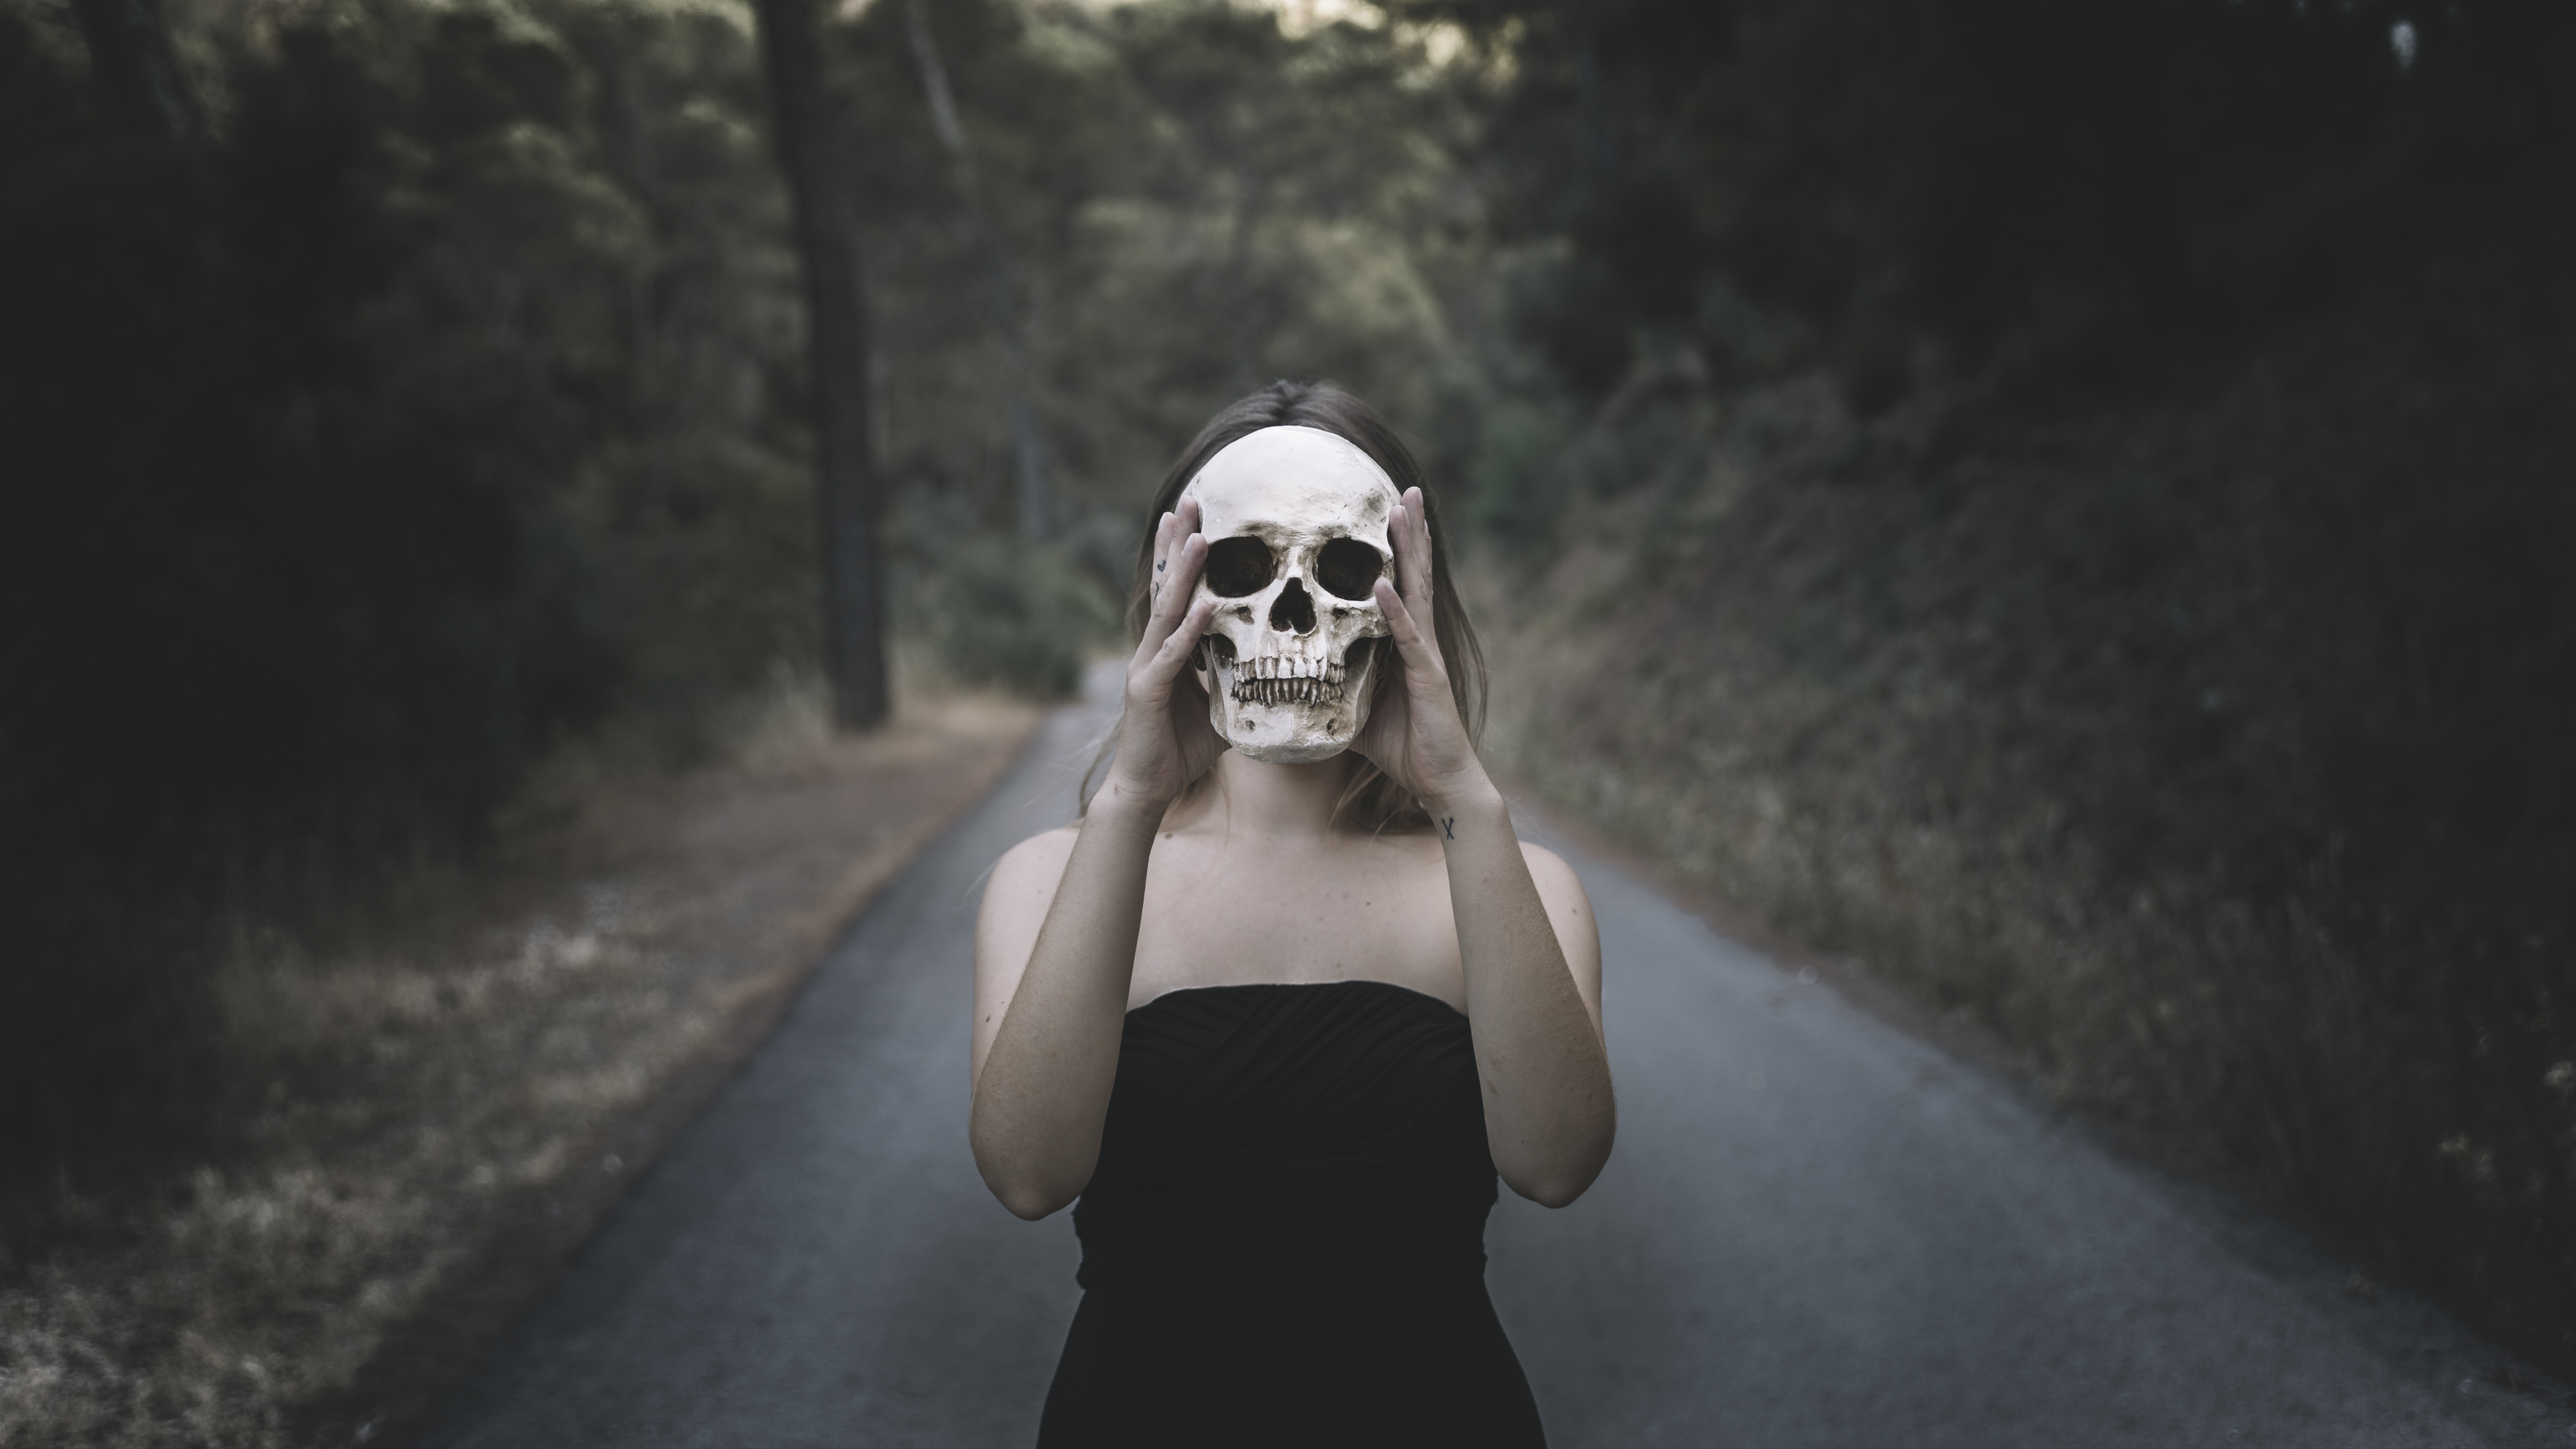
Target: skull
x,y
1295,520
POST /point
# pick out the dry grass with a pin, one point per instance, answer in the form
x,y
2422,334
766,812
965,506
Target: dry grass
x,y
430,1119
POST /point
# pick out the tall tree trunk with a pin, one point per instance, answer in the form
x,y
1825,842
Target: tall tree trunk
x,y
853,590
1001,292
131,62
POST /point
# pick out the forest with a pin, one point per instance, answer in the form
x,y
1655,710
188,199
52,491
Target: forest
x,y
2065,505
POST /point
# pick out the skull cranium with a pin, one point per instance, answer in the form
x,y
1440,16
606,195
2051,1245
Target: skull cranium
x,y
1296,525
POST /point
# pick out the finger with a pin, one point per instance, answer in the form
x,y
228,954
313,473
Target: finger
x,y
1155,593
1417,527
1174,652
1171,591
1178,524
1412,544
1178,573
1163,537
1189,555
1399,539
1412,641
1183,576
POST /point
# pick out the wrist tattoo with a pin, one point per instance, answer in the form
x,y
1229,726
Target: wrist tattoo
x,y
1449,826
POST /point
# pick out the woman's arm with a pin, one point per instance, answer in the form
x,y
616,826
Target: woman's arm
x,y
1533,985
1050,1007
1047,1025
1533,1002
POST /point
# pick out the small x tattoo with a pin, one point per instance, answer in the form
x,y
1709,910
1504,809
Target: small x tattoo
x,y
1449,826
1158,565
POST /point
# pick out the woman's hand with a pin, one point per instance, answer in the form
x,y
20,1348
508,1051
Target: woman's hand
x,y
1164,738
1533,988
1055,945
1413,732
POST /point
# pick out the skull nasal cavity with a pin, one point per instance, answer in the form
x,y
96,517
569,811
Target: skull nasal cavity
x,y
1294,613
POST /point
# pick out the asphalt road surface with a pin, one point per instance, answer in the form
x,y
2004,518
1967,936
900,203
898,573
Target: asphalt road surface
x,y
1815,1231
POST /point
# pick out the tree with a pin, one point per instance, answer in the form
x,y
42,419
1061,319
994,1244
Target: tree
x,y
853,585
1000,284
132,66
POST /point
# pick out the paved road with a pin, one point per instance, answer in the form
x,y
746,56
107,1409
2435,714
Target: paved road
x,y
1816,1231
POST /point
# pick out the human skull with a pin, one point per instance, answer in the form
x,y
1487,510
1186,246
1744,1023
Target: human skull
x,y
1295,520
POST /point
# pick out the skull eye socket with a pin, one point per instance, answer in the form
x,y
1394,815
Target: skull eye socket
x,y
1238,566
1348,568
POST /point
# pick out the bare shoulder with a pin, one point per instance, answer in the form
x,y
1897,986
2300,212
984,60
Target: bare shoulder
x,y
1042,854
1569,910
1557,883
1017,896
1027,873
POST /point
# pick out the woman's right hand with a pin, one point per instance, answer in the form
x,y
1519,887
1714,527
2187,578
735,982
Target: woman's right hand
x,y
1055,945
1164,738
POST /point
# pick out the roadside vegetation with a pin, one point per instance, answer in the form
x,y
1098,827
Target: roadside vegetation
x,y
409,485
435,406
427,1112
2080,534
2065,504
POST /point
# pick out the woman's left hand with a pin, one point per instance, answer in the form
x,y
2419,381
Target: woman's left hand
x,y
1413,732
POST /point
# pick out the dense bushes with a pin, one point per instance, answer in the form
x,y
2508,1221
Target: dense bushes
x,y
1884,189
2119,734
353,456
2180,689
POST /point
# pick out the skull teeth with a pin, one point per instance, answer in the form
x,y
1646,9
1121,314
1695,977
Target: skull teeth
x,y
1288,691
1280,679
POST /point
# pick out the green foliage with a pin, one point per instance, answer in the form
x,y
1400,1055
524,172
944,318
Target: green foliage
x,y
1015,616
1524,470
1868,173
1194,203
2194,716
2063,501
447,402
696,556
354,456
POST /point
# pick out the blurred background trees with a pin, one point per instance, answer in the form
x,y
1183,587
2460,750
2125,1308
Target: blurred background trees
x,y
424,410
430,389
2079,484
2063,501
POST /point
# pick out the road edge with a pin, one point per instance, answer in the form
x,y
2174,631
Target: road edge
x,y
535,1240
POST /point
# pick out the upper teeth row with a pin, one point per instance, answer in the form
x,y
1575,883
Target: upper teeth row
x,y
1288,691
1284,666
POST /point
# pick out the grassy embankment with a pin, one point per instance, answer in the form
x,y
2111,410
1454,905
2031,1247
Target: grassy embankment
x,y
419,1120
2191,711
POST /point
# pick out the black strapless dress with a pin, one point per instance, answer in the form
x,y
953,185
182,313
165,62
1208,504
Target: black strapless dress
x,y
1284,1241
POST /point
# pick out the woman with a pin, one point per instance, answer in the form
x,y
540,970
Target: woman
x,y
1291,995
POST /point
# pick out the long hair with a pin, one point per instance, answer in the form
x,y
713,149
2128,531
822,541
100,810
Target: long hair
x,y
1370,801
